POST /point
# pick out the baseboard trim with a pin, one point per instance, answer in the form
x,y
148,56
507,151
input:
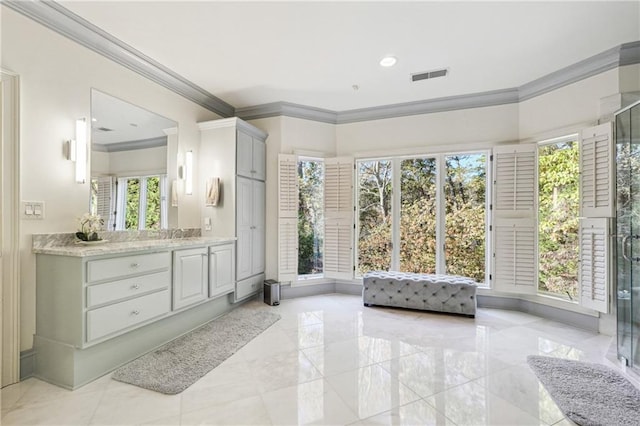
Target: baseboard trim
x,y
288,292
575,319
27,364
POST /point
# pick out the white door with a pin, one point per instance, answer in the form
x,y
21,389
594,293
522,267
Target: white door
x,y
221,270
258,228
244,218
244,152
190,277
259,159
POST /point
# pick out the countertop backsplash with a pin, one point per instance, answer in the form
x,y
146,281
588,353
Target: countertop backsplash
x,y
42,241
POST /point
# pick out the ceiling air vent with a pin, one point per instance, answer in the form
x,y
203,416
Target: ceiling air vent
x,y
104,129
428,74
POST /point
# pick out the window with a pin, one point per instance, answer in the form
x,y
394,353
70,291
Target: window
x,y
141,203
558,213
405,223
310,218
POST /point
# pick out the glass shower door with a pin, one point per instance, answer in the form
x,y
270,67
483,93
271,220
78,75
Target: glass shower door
x,y
628,234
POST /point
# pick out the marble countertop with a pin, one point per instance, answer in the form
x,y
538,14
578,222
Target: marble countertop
x,y
82,250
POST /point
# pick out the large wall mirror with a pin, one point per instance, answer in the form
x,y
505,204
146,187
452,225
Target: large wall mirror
x,y
133,163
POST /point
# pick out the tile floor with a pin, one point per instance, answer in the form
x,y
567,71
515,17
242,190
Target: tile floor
x,y
330,360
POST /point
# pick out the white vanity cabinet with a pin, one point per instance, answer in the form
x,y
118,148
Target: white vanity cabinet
x,y
190,277
124,292
221,270
235,151
99,308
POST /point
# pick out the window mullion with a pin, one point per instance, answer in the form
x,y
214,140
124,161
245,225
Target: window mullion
x,y
396,196
440,215
142,204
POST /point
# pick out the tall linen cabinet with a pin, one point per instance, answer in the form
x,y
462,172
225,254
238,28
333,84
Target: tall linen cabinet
x,y
234,151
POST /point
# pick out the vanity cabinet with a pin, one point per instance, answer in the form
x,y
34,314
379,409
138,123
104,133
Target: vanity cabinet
x,y
99,308
123,292
235,151
190,277
221,270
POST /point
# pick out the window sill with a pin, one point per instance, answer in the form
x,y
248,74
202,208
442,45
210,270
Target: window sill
x,y
541,299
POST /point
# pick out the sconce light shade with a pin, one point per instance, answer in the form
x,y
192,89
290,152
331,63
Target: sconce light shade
x,y
81,150
188,171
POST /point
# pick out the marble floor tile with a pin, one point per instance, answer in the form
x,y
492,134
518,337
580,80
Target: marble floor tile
x,y
309,403
414,413
371,390
330,360
249,411
472,404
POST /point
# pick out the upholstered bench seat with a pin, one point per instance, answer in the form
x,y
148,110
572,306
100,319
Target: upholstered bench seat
x,y
442,293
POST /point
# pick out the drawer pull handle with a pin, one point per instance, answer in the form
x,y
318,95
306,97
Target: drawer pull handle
x,y
135,286
135,265
136,312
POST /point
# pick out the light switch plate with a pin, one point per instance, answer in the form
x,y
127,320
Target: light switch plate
x,y
32,210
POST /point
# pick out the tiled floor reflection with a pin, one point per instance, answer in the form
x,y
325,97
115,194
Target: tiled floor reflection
x,y
331,361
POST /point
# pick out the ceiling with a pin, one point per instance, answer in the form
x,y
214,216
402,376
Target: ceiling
x,y
313,53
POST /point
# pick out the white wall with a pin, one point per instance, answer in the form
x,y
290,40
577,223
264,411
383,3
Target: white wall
x,y
137,161
428,133
56,76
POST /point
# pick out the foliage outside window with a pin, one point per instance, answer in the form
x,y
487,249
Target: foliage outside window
x,y
310,218
463,225
558,211
143,201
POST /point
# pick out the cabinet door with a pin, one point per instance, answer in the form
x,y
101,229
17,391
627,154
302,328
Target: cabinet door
x,y
190,277
221,270
244,218
244,154
259,159
258,228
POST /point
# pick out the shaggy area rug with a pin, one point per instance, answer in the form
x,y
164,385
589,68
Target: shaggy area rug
x,y
588,394
175,366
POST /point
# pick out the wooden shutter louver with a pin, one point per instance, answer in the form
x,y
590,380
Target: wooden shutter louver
x,y
514,223
596,177
287,218
338,226
105,201
593,274
515,256
514,180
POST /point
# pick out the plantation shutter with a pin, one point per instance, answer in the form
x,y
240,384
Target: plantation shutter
x,y
287,217
593,273
596,172
105,202
514,225
338,218
515,180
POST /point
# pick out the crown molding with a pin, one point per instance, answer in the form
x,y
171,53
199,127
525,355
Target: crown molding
x,y
233,122
625,54
63,21
130,145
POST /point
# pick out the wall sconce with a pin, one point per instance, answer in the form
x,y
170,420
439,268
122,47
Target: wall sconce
x,y
77,150
188,173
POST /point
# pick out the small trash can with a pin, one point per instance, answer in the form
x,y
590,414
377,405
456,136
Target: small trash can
x,y
271,292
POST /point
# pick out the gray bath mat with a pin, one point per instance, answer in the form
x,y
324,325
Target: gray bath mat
x,y
588,394
175,366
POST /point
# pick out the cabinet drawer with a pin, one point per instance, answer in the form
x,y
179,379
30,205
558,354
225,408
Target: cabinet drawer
x,y
102,322
249,286
99,294
108,269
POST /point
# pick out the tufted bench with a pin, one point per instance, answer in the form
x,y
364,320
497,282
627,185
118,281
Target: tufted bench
x,y
442,293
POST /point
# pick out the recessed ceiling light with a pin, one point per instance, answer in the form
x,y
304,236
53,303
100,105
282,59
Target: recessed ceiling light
x,y
388,61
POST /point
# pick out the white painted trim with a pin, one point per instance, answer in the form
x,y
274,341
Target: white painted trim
x,y
10,227
233,122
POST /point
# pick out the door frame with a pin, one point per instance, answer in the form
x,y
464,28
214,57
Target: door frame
x,y
10,226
